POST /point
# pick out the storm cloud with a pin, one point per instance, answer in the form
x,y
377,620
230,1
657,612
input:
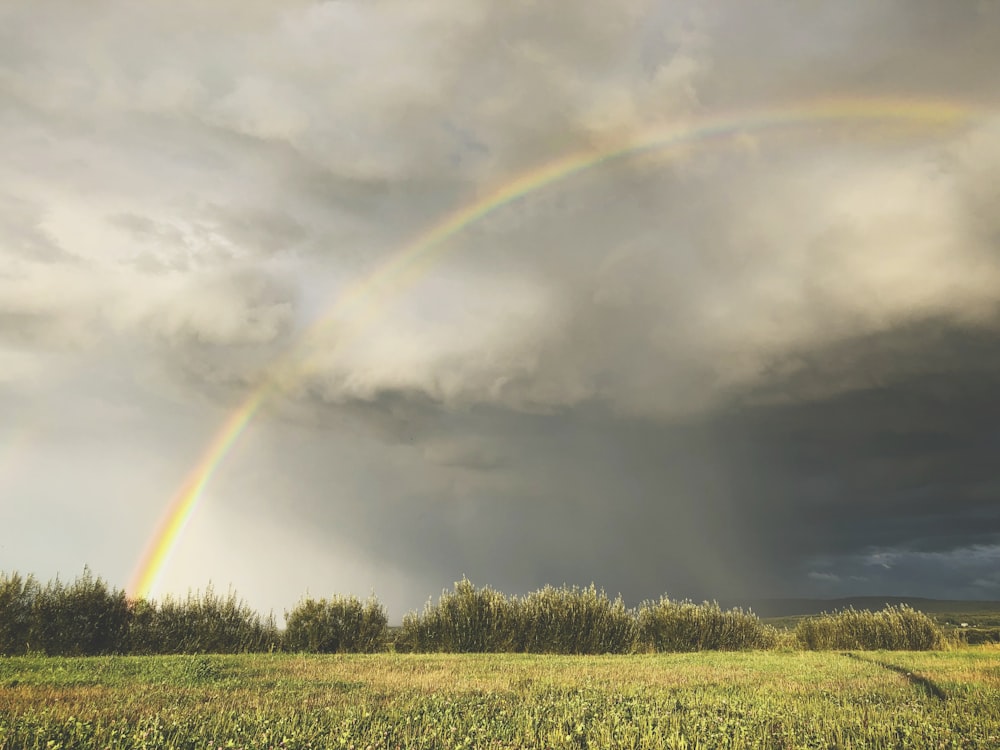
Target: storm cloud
x,y
759,364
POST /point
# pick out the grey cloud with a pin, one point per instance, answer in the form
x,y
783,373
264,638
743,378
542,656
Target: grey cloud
x,y
740,502
899,48
640,510
466,453
903,464
143,228
707,303
269,232
238,308
23,235
965,572
756,364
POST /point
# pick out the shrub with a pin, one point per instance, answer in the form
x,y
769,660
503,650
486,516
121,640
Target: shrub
x,y
892,628
203,623
575,621
338,625
464,621
80,619
567,621
17,596
684,626
412,636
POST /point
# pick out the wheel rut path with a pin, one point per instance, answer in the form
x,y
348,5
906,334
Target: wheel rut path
x,y
929,686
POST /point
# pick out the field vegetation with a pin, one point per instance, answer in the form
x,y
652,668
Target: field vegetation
x,y
89,618
893,628
558,668
756,699
342,624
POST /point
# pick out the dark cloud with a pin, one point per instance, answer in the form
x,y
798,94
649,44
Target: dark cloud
x,y
900,464
881,487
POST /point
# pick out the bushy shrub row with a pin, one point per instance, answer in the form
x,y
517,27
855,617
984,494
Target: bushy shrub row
x,y
83,618
87,617
200,624
575,621
684,626
336,626
464,621
892,628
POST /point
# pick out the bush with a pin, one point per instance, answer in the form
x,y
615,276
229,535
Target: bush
x,y
338,625
566,621
17,597
413,637
893,629
684,626
465,621
203,623
81,619
84,618
575,621
87,617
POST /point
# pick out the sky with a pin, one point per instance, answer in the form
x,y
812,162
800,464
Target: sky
x,y
760,361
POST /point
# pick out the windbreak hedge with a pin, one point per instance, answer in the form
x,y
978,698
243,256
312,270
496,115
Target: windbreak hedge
x,y
200,624
87,617
336,626
684,626
464,621
82,618
893,628
575,621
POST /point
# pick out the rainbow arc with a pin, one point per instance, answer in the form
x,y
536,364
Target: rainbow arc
x,y
406,266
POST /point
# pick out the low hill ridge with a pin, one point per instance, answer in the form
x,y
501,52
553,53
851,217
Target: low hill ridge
x,y
792,607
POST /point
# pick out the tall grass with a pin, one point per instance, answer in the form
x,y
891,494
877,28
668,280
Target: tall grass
x,y
467,620
892,628
575,621
85,617
17,597
684,626
203,623
335,626
88,617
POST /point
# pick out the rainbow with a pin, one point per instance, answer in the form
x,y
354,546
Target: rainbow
x,y
406,265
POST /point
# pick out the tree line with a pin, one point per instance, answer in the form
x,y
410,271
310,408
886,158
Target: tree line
x,y
88,617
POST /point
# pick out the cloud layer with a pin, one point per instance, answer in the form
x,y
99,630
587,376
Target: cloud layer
x,y
762,363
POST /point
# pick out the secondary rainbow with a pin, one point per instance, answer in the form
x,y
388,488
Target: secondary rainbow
x,y
404,267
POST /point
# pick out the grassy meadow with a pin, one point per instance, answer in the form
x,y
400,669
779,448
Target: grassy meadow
x,y
84,666
754,699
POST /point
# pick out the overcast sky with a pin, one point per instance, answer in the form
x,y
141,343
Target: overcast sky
x,y
764,365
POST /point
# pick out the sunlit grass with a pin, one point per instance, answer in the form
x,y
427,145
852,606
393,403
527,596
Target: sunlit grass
x,y
707,699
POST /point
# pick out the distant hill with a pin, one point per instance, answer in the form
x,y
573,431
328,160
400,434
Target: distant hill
x,y
799,607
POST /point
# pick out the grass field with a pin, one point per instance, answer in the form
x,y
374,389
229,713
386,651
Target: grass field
x,y
947,699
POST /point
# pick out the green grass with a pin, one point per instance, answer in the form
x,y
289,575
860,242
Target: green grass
x,y
948,699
